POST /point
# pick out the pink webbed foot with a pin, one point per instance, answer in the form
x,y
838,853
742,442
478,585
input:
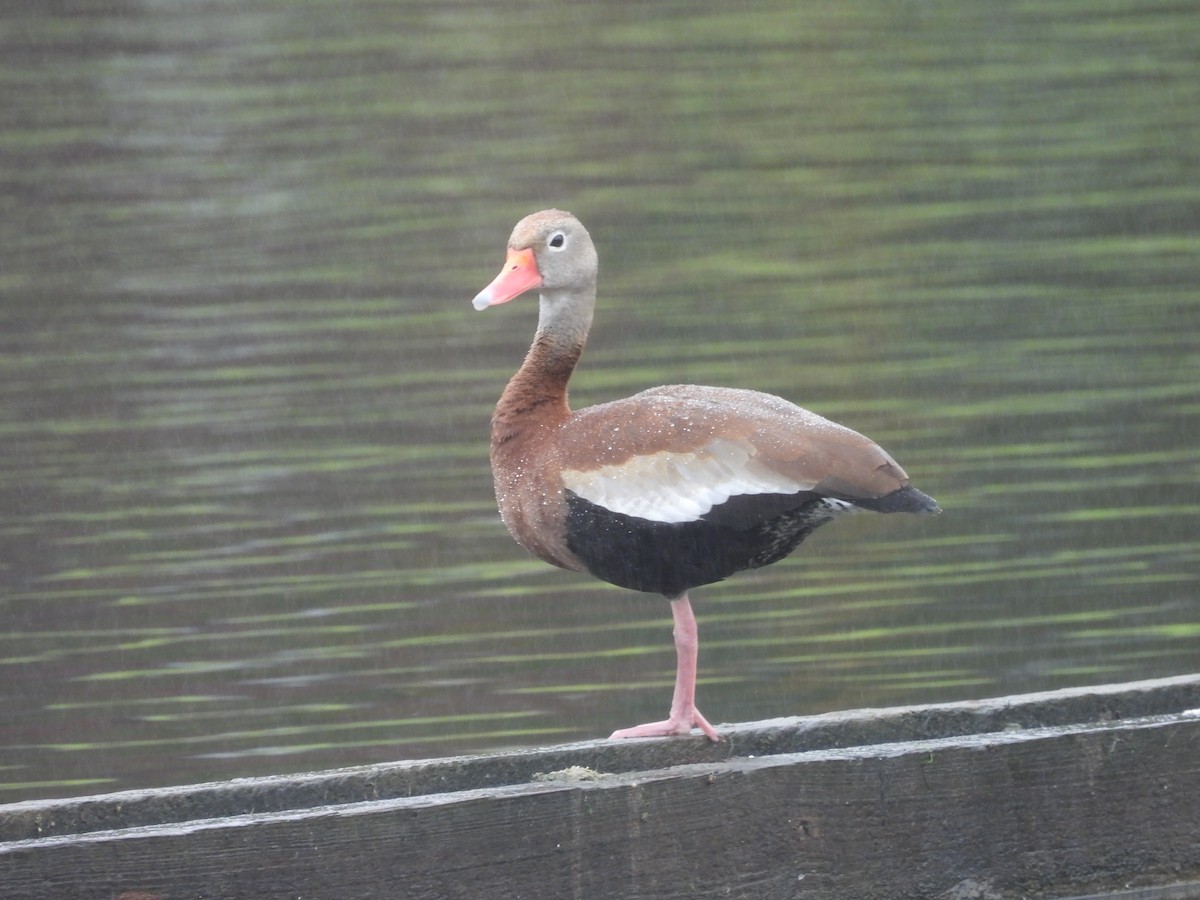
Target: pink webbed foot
x,y
676,725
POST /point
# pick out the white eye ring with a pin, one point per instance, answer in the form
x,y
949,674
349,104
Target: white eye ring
x,y
557,241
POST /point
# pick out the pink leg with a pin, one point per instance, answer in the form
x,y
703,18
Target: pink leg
x,y
684,715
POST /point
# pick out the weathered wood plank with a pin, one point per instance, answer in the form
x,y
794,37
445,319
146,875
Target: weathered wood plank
x,y
411,778
1027,803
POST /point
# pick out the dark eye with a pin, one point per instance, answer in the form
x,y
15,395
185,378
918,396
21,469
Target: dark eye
x,y
558,240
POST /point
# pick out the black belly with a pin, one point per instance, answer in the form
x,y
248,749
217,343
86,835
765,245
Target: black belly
x,y
671,557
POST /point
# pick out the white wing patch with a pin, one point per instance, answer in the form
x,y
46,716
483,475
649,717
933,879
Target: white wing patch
x,y
679,487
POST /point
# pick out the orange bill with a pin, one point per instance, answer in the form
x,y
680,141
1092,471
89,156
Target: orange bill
x,y
520,274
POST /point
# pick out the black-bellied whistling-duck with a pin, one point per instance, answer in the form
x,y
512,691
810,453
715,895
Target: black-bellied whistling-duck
x,y
672,488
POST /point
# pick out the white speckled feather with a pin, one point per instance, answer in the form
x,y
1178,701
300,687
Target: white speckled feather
x,y
680,486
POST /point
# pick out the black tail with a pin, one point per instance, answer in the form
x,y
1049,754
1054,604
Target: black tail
x,y
908,499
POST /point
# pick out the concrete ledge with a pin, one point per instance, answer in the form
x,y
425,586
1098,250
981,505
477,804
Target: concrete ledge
x,y
1089,791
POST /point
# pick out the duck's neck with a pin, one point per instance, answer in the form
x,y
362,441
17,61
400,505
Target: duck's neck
x,y
538,392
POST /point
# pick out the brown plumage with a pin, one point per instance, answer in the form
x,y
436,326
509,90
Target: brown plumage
x,y
669,489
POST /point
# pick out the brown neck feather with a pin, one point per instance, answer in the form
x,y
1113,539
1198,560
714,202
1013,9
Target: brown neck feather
x,y
537,394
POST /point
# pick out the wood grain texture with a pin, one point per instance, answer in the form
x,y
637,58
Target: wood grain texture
x,y
1045,810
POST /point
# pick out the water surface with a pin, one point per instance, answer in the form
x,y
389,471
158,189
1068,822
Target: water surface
x,y
246,522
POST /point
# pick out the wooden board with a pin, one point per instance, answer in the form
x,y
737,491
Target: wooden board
x,y
1068,793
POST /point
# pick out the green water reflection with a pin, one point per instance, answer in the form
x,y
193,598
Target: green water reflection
x,y
246,522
